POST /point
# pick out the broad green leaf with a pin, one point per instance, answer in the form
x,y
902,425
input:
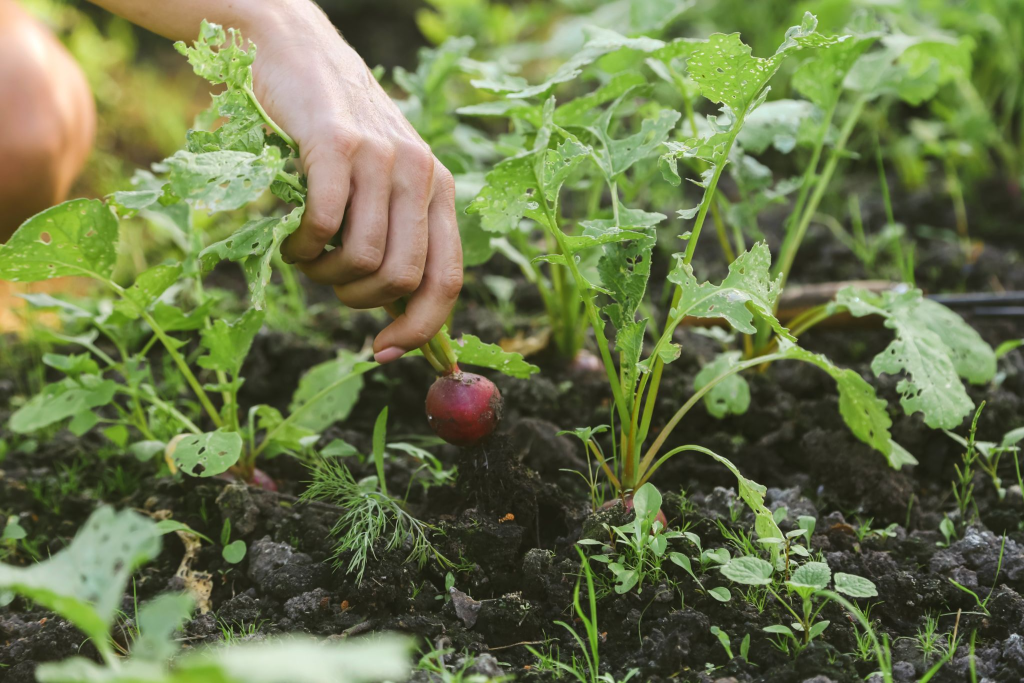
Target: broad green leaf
x,y
931,384
13,531
780,124
295,659
973,359
61,400
223,180
328,391
780,629
855,586
254,245
600,42
721,593
748,289
299,659
731,396
748,570
583,111
864,413
72,366
173,319
471,351
812,575
819,78
209,454
83,422
647,502
148,287
593,238
912,68
145,451
234,552
227,344
78,237
157,620
629,219
434,66
289,437
84,582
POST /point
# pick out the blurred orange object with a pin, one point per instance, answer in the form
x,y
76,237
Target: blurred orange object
x,y
11,305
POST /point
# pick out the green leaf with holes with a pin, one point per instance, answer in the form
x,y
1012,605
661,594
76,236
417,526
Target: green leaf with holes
x,y
242,130
85,581
933,346
731,396
254,246
223,180
746,291
78,237
61,400
618,155
220,56
209,454
471,351
729,74
328,391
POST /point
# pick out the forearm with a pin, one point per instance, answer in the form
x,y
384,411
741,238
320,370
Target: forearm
x,y
180,19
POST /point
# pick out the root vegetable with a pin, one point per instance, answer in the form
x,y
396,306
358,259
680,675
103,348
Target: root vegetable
x,y
463,408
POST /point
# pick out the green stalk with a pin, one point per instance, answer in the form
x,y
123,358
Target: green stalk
x,y
595,319
269,121
794,237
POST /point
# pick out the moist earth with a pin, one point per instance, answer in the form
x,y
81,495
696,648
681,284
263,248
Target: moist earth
x,y
510,522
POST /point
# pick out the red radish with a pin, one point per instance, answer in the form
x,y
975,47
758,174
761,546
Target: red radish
x,y
463,408
628,501
259,478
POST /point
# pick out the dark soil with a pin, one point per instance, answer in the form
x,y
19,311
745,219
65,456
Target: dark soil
x,y
512,519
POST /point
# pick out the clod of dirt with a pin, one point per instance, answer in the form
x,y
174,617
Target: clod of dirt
x,y
235,503
242,609
283,573
466,608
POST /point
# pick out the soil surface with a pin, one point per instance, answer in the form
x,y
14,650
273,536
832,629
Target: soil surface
x,y
510,521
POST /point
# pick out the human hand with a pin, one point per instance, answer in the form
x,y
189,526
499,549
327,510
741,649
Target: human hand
x,y
366,164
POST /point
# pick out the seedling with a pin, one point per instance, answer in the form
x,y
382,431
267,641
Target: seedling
x,y
369,513
84,583
809,582
726,642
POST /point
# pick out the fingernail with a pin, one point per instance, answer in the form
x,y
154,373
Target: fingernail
x,y
389,354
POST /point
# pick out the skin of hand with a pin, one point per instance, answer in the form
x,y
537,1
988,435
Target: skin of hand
x,y
47,118
364,162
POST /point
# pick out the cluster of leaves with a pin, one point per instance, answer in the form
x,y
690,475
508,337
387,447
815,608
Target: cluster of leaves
x,y
84,583
220,170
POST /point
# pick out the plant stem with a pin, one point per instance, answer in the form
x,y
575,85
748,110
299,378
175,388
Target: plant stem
x,y
269,121
796,235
